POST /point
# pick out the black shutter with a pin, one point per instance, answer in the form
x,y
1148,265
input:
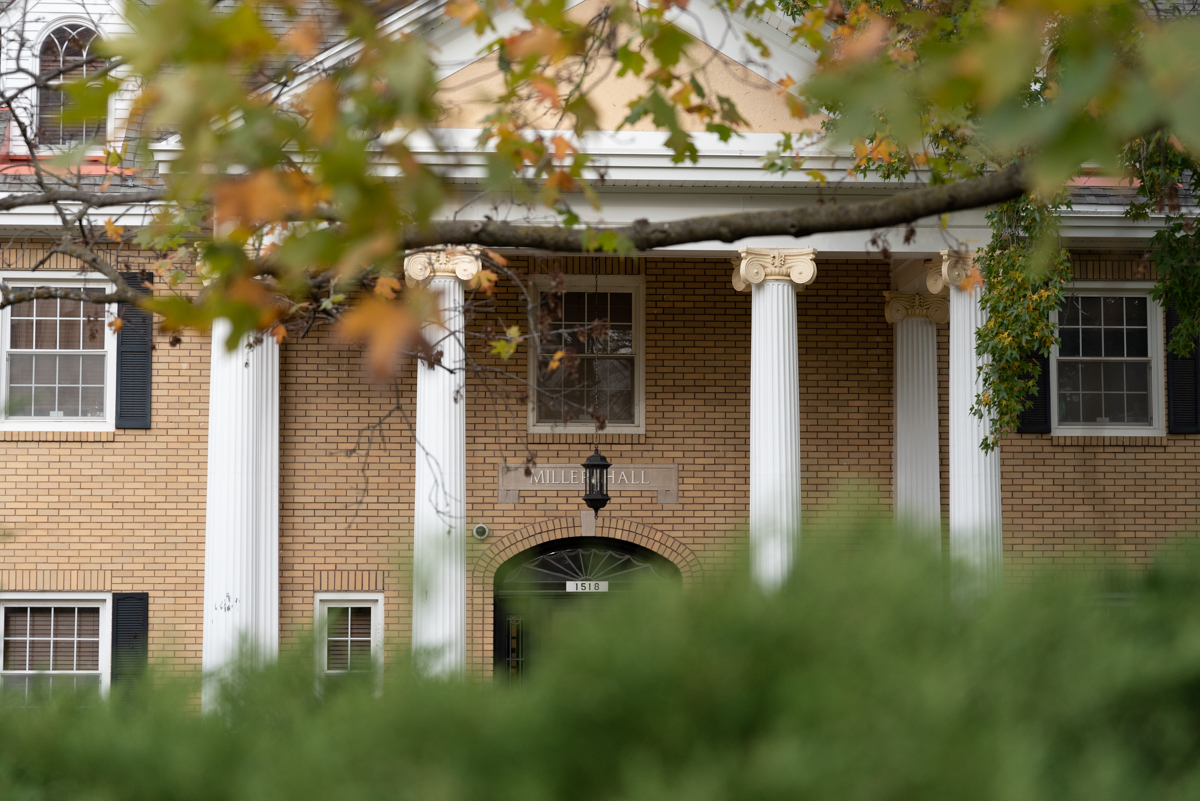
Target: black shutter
x,y
130,628
1183,392
1036,419
134,345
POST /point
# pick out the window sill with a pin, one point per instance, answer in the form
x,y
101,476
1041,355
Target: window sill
x,y
1062,432
57,435
1107,441
585,429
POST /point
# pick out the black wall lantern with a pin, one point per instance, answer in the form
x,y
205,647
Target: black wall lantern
x,y
595,471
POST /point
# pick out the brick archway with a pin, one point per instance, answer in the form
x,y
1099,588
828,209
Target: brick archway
x,y
483,573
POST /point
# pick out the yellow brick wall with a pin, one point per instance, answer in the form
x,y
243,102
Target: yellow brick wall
x,y
344,511
126,511
1084,502
120,511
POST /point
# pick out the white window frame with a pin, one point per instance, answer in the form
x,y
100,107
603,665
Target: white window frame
x,y
25,279
1154,323
321,603
35,59
636,284
100,600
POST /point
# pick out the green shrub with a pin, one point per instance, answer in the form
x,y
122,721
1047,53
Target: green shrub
x,y
860,681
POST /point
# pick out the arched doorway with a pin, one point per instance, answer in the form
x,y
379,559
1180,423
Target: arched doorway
x,y
566,574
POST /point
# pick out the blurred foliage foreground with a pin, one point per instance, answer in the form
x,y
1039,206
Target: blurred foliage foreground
x,y
859,681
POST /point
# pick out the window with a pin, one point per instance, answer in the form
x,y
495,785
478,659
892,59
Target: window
x,y
351,632
597,323
52,644
64,58
1107,372
59,364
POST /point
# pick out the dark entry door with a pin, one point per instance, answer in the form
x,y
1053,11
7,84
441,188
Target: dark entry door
x,y
547,581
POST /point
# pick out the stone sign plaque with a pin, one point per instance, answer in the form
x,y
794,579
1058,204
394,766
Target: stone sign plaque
x,y
660,478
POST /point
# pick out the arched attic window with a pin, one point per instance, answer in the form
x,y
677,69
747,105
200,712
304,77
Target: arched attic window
x,y
65,57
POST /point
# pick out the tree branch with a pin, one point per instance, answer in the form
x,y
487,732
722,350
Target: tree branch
x,y
905,207
94,199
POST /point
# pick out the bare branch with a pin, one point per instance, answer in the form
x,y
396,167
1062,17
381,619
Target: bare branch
x,y
93,199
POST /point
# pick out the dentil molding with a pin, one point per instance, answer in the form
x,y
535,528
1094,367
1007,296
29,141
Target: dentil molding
x,y
462,263
956,265
901,306
798,265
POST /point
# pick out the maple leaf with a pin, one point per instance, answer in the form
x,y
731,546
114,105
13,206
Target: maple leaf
x,y
974,279
867,43
562,148
303,39
485,281
556,360
496,257
385,328
321,102
387,286
113,230
546,89
505,348
465,11
116,324
278,332
539,41
561,179
265,196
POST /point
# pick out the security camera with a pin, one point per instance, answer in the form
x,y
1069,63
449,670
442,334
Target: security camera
x,y
480,531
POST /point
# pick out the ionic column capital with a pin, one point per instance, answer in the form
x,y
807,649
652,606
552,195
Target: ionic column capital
x,y
955,268
798,265
461,263
901,306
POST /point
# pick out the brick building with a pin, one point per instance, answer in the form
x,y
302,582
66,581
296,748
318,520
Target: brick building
x,y
194,496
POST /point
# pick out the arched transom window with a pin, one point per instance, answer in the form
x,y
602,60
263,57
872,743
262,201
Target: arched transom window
x,y
66,56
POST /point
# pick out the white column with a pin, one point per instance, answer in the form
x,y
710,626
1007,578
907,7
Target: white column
x,y
241,529
976,529
439,631
916,466
772,277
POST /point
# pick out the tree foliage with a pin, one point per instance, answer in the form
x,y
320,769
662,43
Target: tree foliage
x,y
1024,270
857,680
298,168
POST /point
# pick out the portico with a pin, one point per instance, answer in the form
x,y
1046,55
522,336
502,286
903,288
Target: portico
x,y
803,398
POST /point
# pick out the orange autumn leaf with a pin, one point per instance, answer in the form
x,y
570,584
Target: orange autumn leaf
x,y
321,102
867,43
264,196
113,230
562,148
387,286
278,333
116,324
496,257
303,39
556,360
546,89
387,329
541,41
465,11
485,281
561,180
254,293
974,279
